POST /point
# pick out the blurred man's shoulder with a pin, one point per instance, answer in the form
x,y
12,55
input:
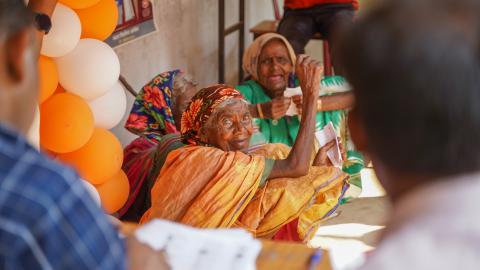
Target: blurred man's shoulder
x,y
425,249
33,178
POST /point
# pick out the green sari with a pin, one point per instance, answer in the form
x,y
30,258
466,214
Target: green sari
x,y
285,131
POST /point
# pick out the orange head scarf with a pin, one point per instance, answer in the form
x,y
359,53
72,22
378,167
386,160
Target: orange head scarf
x,y
201,107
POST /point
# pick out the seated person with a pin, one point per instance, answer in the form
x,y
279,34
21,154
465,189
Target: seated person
x,y
270,62
155,118
417,115
303,18
215,182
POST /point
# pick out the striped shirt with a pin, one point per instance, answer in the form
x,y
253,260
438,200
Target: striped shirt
x,y
47,218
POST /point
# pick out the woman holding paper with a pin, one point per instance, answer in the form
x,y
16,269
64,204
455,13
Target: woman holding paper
x,y
270,61
218,181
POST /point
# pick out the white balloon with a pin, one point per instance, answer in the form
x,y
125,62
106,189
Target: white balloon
x,y
90,70
65,32
108,110
92,191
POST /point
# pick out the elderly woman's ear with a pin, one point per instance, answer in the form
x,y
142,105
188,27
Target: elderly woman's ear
x,y
208,133
203,134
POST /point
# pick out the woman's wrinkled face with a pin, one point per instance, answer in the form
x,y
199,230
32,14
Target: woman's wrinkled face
x,y
230,128
274,66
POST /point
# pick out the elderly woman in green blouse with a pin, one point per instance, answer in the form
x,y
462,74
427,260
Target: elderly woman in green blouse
x,y
270,61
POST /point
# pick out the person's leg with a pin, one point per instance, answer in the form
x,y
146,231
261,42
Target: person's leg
x,y
298,28
328,21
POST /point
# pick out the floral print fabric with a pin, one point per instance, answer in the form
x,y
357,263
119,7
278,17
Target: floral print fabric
x,y
151,114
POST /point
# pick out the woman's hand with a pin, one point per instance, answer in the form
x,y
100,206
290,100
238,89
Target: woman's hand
x,y
277,108
143,257
309,72
298,101
321,159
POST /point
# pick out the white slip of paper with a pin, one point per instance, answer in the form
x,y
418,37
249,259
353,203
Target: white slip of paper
x,y
290,92
326,135
201,249
324,90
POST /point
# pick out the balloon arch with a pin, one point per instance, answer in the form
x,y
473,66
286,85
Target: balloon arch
x,y
81,98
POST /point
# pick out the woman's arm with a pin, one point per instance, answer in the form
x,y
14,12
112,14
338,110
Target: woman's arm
x,y
45,7
297,163
341,101
336,102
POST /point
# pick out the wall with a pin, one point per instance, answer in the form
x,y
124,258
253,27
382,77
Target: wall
x,y
187,38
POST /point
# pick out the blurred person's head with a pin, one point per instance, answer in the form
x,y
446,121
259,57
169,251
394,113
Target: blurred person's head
x,y
18,65
415,69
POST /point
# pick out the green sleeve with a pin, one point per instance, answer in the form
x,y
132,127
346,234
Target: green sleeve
x,y
246,91
266,172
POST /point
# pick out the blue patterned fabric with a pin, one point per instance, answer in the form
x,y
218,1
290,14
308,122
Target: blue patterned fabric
x,y
151,113
47,218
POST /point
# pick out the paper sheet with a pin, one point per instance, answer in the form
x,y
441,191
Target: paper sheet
x,y
201,249
326,135
290,92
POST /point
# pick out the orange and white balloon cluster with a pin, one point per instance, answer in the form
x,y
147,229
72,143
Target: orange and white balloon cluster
x,y
81,97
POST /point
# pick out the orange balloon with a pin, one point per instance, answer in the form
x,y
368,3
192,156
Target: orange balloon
x,y
59,89
99,21
66,123
48,76
99,159
114,192
78,4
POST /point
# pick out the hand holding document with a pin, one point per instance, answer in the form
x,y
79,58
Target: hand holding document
x,y
326,135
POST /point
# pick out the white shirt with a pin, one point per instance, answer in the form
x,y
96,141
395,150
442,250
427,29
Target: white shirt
x,y
436,227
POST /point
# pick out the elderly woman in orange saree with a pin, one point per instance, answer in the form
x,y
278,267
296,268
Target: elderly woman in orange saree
x,y
216,181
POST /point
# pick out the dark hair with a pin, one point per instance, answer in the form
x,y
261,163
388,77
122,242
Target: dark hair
x,y
414,67
14,16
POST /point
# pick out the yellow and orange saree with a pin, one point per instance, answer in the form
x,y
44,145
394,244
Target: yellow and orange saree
x,y
209,188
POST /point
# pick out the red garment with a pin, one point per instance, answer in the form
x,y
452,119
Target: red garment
x,y
138,160
296,4
288,232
